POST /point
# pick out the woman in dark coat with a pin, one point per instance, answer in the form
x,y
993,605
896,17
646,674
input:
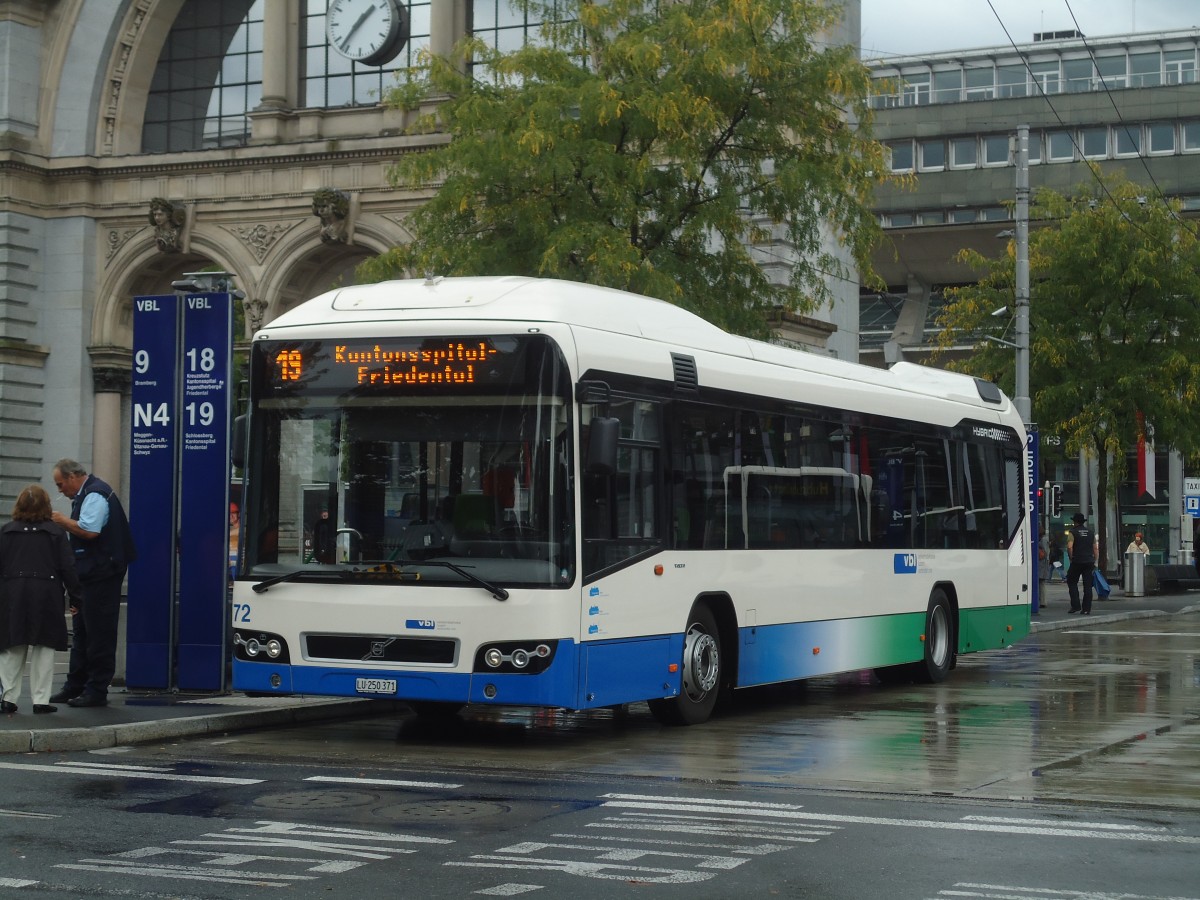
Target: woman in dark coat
x,y
37,569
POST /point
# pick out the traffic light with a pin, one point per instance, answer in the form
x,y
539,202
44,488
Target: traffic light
x,y
1056,501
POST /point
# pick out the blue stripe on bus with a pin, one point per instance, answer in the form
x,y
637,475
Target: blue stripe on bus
x,y
554,687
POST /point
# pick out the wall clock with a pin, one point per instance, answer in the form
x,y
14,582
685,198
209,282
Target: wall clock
x,y
370,32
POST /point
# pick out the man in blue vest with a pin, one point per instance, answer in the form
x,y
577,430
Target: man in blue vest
x,y
99,535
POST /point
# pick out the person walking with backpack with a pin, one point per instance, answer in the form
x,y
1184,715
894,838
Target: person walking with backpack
x,y
100,536
1081,550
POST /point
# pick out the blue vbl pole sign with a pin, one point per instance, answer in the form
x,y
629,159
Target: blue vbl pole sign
x,y
153,441
1035,537
204,489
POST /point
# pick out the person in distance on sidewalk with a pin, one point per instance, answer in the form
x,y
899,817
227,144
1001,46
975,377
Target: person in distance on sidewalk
x,y
1081,550
37,569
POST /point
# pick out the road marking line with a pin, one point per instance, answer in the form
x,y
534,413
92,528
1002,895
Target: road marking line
x,y
733,804
116,767
1010,892
1156,634
187,873
644,874
15,882
76,769
955,825
701,830
756,850
509,890
1052,823
384,782
625,854
16,814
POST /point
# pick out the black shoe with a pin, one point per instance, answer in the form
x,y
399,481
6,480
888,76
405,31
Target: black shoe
x,y
1087,612
63,696
40,708
6,707
1072,612
87,700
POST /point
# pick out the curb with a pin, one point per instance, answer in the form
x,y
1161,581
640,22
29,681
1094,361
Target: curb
x,y
1094,619
101,736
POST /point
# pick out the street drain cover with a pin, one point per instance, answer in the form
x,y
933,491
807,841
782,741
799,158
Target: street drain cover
x,y
442,809
316,799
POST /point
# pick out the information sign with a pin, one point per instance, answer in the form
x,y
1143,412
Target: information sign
x,y
152,498
204,489
1031,489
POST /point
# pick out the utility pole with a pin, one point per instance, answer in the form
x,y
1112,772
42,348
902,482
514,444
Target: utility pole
x,y
1021,400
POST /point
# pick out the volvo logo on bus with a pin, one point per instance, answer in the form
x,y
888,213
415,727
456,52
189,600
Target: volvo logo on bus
x,y
379,648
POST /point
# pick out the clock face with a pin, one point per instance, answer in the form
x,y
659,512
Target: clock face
x,y
367,31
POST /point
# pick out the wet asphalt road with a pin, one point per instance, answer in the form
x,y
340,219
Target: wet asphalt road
x,y
1062,768
1106,714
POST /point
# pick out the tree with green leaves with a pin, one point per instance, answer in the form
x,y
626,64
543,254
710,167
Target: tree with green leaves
x,y
648,145
1114,323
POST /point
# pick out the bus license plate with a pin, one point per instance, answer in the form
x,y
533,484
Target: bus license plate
x,y
375,685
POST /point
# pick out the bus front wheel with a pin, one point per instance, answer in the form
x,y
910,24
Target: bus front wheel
x,y
701,673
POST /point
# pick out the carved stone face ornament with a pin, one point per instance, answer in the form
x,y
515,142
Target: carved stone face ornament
x,y
331,207
167,219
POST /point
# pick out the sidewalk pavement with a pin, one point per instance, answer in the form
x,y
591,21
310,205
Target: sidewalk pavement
x,y
133,717
1053,610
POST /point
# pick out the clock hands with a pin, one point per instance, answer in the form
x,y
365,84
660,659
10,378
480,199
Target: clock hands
x,y
345,45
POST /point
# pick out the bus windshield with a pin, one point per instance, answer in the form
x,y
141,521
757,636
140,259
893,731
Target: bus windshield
x,y
382,460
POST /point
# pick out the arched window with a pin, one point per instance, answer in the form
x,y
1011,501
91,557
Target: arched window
x,y
209,75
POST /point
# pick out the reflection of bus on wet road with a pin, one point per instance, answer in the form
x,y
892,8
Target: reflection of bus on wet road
x,y
552,494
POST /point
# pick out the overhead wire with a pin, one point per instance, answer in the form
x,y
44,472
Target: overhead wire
x,y
1120,119
1068,130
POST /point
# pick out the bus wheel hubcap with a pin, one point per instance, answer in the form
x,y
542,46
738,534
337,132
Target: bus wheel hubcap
x,y
701,663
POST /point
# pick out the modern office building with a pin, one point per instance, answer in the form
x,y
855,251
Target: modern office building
x,y
144,139
1129,102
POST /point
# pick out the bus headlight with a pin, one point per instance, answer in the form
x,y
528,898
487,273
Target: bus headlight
x,y
255,646
526,657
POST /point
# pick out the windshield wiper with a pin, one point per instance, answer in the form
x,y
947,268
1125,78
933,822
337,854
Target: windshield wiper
x,y
495,590
387,568
262,586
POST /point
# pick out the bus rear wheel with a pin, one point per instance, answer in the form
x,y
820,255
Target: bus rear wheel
x,y
939,640
701,673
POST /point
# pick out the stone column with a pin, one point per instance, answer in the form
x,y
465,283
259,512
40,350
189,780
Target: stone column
x,y
279,33
446,21
280,87
109,383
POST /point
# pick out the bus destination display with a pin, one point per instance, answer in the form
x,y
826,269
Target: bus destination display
x,y
391,365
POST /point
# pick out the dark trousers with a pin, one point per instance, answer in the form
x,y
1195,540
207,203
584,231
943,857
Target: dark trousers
x,y
1080,570
94,644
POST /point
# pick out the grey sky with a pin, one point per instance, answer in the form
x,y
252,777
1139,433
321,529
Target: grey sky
x,y
905,27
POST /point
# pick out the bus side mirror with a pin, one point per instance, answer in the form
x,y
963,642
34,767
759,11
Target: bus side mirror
x,y
602,446
237,442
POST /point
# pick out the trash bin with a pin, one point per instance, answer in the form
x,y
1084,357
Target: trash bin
x,y
1135,574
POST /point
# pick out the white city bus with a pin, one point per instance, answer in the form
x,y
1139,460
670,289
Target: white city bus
x,y
533,492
